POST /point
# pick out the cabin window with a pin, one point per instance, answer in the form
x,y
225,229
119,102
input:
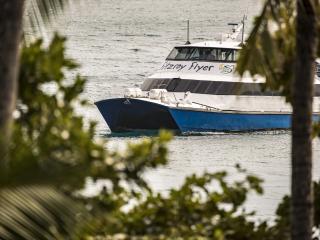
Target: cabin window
x,y
195,54
203,54
317,90
212,87
180,53
193,85
202,87
183,86
173,84
155,83
162,84
146,85
236,88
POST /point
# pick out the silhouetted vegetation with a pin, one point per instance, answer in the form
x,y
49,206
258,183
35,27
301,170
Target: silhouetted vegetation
x,y
283,47
51,151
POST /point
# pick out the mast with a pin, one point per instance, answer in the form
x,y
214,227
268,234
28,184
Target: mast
x,y
243,23
188,34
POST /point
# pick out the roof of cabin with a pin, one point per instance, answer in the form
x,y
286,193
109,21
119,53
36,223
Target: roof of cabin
x,y
215,44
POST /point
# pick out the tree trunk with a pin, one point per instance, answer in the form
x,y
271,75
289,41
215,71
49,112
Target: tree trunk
x,y
302,89
11,13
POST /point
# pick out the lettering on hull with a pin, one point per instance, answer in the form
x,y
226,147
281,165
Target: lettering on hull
x,y
198,67
191,67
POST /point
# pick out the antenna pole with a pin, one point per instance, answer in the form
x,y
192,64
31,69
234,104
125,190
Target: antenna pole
x,y
188,34
243,21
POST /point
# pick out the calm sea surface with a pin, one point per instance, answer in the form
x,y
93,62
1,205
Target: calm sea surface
x,y
121,42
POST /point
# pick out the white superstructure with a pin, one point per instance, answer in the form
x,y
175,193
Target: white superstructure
x,y
211,81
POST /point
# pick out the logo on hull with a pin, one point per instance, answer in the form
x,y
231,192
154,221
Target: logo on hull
x,y
226,69
127,101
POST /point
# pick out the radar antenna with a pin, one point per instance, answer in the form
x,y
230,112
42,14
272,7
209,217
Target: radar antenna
x,y
243,23
237,29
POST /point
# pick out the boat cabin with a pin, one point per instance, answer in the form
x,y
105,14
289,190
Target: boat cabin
x,y
211,65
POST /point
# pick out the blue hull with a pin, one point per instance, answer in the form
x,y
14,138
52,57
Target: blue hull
x,y
199,121
123,114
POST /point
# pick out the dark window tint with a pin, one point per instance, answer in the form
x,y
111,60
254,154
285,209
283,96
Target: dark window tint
x,y
155,83
245,89
173,84
202,87
146,85
214,87
224,88
183,86
211,87
193,85
317,90
163,83
236,89
195,54
203,54
180,53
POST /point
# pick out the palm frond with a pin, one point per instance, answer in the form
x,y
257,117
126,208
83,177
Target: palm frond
x,y
36,212
45,9
39,13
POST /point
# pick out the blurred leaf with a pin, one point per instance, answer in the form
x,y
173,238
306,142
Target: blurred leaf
x,y
44,9
53,144
281,228
37,212
269,51
48,8
204,207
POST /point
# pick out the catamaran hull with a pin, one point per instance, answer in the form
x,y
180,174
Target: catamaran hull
x,y
200,121
123,114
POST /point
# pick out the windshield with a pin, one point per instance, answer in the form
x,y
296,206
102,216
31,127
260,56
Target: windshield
x,y
203,54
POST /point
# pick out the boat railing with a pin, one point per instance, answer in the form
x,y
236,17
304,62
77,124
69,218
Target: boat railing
x,y
210,108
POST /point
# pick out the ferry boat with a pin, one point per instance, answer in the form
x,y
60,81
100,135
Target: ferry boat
x,y
197,90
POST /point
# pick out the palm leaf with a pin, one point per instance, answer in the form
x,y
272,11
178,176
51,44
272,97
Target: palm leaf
x,y
49,8
45,9
39,13
36,212
270,49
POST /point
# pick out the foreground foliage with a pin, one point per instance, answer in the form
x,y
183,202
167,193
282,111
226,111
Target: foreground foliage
x,y
36,212
54,151
282,223
195,210
282,48
53,148
270,49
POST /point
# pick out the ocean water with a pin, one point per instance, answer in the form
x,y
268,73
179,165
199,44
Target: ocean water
x,y
119,43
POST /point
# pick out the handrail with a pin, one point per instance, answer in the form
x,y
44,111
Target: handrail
x,y
207,106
